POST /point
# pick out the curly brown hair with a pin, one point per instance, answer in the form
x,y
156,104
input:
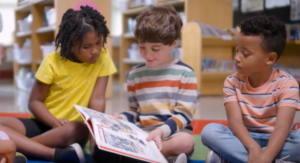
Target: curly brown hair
x,y
158,24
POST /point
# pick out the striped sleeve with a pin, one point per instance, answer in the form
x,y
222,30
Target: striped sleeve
x,y
229,90
289,94
131,114
185,105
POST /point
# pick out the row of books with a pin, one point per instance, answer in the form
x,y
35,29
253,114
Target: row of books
x,y
216,64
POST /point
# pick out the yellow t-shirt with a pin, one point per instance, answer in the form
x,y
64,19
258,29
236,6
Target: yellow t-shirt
x,y
71,83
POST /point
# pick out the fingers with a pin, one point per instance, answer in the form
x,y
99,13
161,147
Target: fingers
x,y
158,143
116,115
3,160
150,137
65,120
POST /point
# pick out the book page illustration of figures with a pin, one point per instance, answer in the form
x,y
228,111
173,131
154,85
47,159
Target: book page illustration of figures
x,y
113,124
123,143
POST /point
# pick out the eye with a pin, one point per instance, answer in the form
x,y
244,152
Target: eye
x,y
98,43
86,47
245,55
141,47
155,50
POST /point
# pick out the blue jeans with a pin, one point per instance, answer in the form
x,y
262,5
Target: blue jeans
x,y
222,140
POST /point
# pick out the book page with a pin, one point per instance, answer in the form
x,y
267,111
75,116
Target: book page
x,y
121,137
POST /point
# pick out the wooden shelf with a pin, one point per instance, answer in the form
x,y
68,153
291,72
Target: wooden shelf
x,y
45,29
38,62
178,3
217,41
297,42
23,34
212,76
23,63
44,2
135,11
128,35
133,61
26,6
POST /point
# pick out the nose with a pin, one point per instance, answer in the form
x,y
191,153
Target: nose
x,y
95,50
237,58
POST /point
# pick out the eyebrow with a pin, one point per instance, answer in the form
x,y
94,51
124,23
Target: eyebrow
x,y
246,49
154,46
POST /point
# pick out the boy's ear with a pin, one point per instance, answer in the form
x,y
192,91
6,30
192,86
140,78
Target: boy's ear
x,y
272,58
173,44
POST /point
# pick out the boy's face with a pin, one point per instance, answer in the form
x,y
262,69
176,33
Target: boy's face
x,y
156,53
250,57
90,48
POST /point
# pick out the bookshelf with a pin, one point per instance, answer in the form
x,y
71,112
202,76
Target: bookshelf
x,y
40,34
195,47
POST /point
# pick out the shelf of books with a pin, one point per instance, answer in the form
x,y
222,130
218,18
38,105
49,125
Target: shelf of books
x,y
210,52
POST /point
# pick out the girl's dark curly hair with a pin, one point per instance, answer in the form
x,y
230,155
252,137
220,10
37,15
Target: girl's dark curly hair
x,y
74,25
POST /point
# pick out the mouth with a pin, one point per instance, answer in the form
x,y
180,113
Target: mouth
x,y
95,58
149,61
237,67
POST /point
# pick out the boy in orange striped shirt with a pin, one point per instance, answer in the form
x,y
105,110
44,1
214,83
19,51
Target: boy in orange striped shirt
x,y
260,101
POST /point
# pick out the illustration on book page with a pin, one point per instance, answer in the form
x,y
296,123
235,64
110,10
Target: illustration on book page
x,y
123,143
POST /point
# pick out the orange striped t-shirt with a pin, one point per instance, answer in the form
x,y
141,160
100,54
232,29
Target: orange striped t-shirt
x,y
260,105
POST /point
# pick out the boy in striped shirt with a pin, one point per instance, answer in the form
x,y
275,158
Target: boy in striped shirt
x,y
163,91
260,101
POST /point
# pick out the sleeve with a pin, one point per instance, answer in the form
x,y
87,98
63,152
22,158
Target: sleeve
x,y
107,65
289,94
131,114
45,73
186,104
229,90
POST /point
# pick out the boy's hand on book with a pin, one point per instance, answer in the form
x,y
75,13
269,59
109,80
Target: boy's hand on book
x,y
117,116
60,122
156,136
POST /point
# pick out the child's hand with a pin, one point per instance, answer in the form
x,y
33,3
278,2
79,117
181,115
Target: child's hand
x,y
156,136
60,122
117,116
2,159
9,152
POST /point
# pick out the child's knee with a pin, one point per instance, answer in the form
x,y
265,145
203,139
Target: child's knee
x,y
210,133
76,129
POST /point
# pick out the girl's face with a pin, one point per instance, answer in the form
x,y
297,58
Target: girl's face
x,y
90,48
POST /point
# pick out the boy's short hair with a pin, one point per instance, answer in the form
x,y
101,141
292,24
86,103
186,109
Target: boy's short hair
x,y
271,29
158,24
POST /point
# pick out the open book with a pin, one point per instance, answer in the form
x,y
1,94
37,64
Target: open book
x,y
120,137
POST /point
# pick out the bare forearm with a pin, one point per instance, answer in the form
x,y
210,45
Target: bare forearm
x,y
276,141
98,105
242,133
40,111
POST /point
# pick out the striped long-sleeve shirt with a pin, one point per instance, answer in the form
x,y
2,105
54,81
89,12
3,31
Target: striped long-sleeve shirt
x,y
260,105
164,96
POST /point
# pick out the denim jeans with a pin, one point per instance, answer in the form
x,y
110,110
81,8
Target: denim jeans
x,y
222,140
